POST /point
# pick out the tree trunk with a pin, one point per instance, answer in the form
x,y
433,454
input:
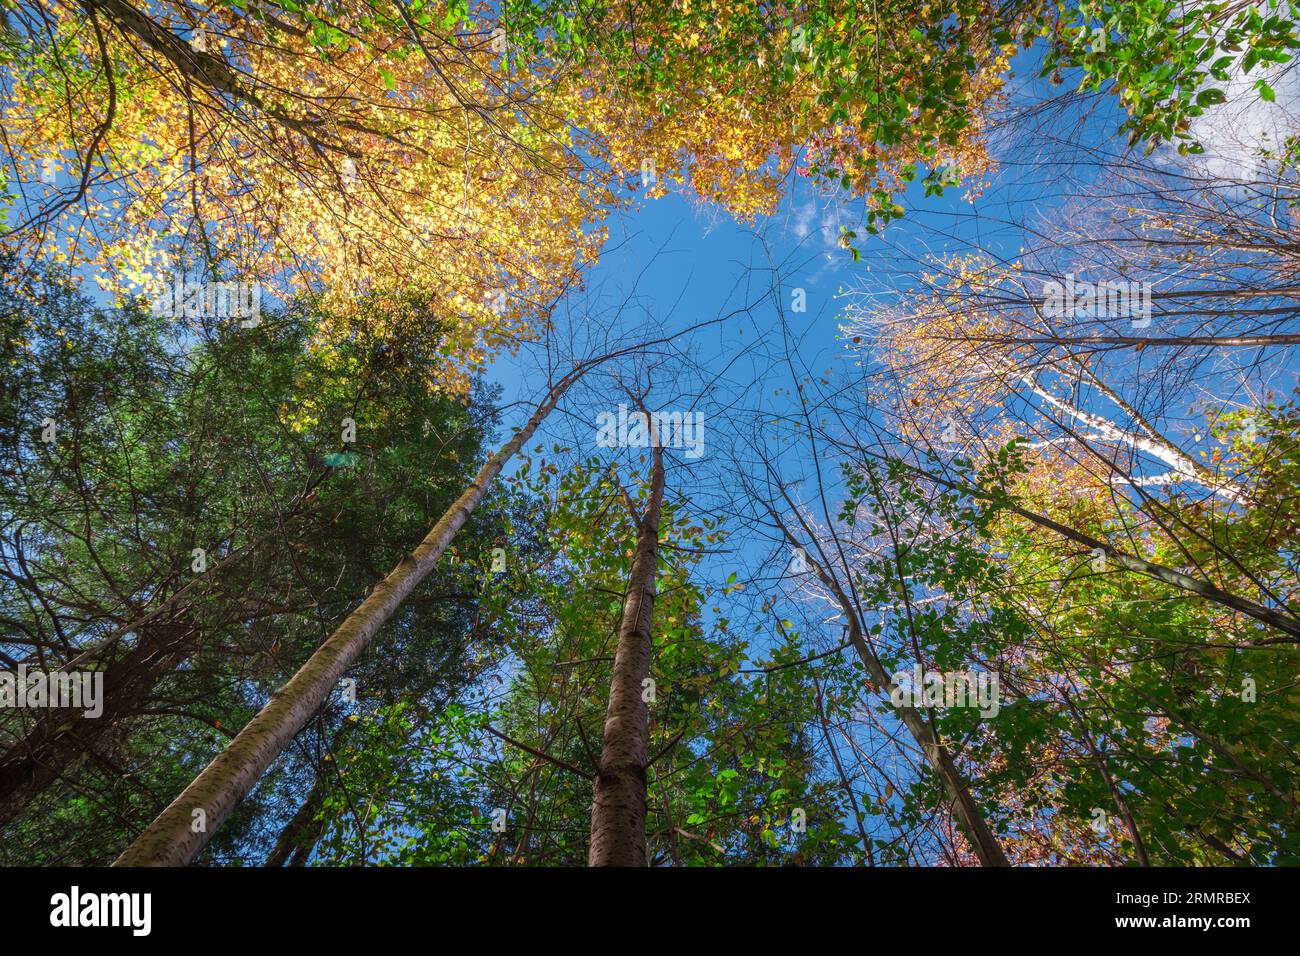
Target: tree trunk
x,y
618,811
300,834
967,812
181,830
1152,442
970,819
61,739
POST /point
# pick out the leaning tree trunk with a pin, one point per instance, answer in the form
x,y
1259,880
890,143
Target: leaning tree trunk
x,y
966,810
301,833
181,830
618,811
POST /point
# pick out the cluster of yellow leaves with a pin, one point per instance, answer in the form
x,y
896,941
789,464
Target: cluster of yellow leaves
x,y
390,177
734,150
443,166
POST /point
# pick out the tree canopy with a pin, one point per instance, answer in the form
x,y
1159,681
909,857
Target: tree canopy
x,y
988,560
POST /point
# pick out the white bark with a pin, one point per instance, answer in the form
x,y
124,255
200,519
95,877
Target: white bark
x,y
1182,465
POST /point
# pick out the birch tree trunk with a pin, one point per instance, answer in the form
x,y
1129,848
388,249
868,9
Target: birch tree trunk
x,y
181,830
1152,442
618,811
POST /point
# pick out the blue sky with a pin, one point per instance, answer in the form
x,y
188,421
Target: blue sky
x,y
689,262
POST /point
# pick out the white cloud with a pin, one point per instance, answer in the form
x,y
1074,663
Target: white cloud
x,y
803,219
1237,133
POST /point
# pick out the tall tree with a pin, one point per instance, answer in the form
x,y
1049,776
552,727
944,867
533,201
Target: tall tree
x,y
618,811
